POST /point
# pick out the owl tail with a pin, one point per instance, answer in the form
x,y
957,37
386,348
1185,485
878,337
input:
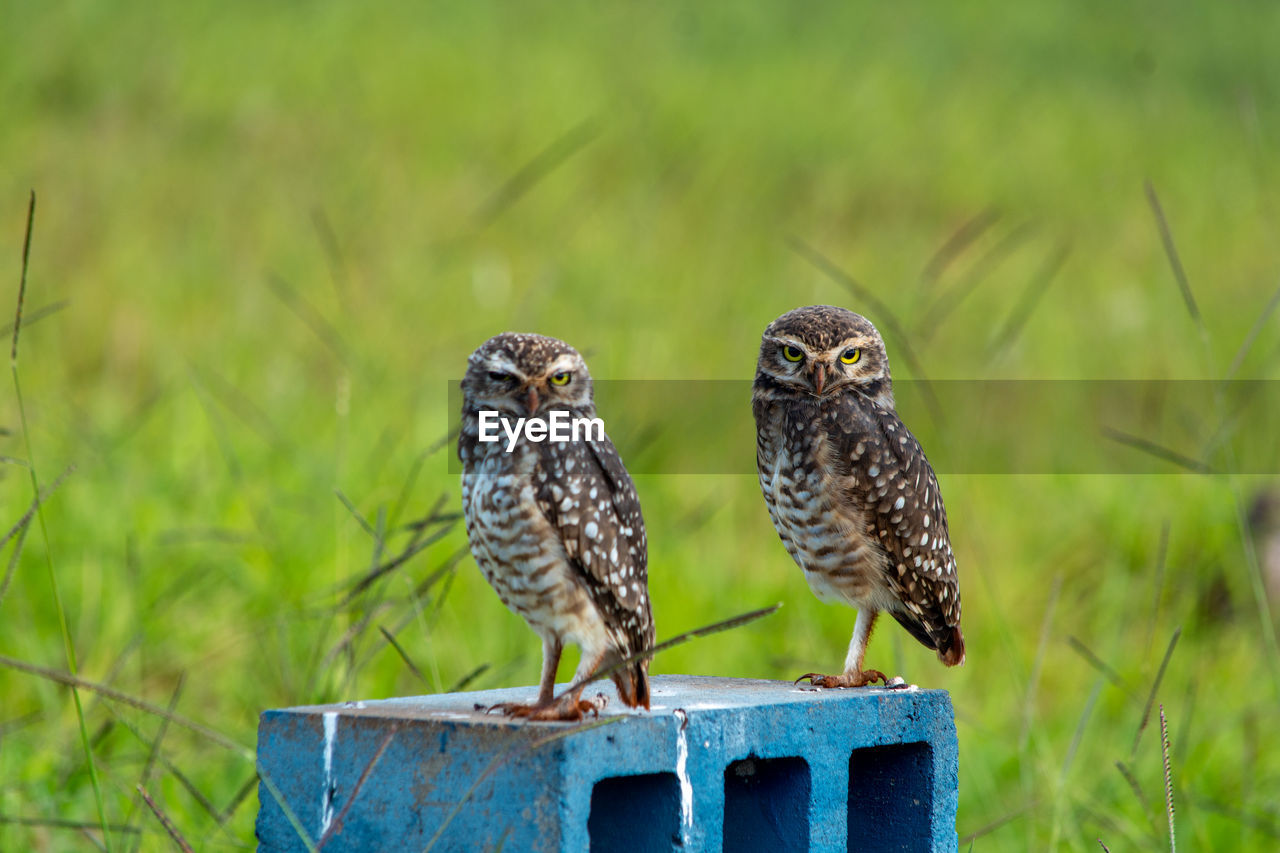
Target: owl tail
x,y
951,647
633,685
948,641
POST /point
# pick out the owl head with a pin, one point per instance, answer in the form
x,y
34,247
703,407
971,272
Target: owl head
x,y
822,350
522,375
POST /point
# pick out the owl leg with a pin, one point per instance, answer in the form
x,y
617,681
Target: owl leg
x,y
570,706
551,651
854,675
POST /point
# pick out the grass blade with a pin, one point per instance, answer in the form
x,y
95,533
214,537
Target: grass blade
x,y
949,300
997,823
501,759
1081,726
278,796
192,789
1158,451
1258,326
236,801
38,314
1171,250
1155,687
954,246
1099,664
1033,682
325,331
22,280
68,646
412,549
471,676
404,656
704,631
21,529
1162,557
884,316
543,163
338,273
77,683
1021,312
165,822
336,826
1132,781
154,752
63,823
355,513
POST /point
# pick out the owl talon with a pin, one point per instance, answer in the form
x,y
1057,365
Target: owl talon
x,y
592,706
849,679
570,710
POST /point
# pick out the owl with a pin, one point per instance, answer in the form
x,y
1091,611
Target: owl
x,y
553,517
848,486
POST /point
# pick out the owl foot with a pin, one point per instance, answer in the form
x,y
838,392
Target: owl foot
x,y
564,710
848,679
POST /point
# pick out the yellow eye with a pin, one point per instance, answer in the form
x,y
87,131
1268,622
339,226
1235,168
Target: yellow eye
x,y
850,355
790,353
561,378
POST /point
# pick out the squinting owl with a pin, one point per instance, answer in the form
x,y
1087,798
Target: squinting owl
x,y
848,486
555,525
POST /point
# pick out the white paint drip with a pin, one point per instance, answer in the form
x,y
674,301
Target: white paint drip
x,y
682,774
326,796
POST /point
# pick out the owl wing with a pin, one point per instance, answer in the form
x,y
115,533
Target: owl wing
x,y
766,452
894,484
587,495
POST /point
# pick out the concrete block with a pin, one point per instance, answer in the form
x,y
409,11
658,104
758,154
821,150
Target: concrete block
x,y
718,764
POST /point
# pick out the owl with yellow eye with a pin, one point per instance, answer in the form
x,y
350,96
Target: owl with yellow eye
x,y
555,525
848,487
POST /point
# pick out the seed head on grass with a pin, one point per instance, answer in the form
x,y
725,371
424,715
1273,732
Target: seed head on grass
x,y
1168,779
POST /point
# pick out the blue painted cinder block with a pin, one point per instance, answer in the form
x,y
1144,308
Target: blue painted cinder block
x,y
718,764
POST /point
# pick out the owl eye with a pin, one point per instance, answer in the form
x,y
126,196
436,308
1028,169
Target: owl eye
x,y
850,355
790,353
561,378
499,376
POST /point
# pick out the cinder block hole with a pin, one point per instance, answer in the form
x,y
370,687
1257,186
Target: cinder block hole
x,y
891,798
635,813
766,805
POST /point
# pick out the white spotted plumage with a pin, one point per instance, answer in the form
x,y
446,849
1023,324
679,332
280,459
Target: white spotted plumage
x,y
848,487
555,526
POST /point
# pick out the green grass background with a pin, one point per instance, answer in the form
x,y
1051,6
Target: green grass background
x,y
279,229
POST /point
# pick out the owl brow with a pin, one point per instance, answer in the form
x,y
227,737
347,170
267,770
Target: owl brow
x,y
501,363
563,363
856,341
790,342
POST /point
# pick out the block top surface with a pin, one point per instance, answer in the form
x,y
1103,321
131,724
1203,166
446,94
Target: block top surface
x,y
689,694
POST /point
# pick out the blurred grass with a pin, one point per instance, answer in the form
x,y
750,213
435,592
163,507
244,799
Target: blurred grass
x,y
279,231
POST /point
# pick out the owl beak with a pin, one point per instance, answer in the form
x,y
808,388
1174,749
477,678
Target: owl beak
x,y
819,378
531,402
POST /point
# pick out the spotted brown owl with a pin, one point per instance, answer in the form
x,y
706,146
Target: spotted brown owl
x,y
554,524
848,487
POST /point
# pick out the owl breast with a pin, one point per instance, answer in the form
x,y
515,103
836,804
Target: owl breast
x,y
518,551
805,492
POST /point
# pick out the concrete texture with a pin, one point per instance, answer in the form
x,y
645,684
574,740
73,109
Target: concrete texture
x,y
719,763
